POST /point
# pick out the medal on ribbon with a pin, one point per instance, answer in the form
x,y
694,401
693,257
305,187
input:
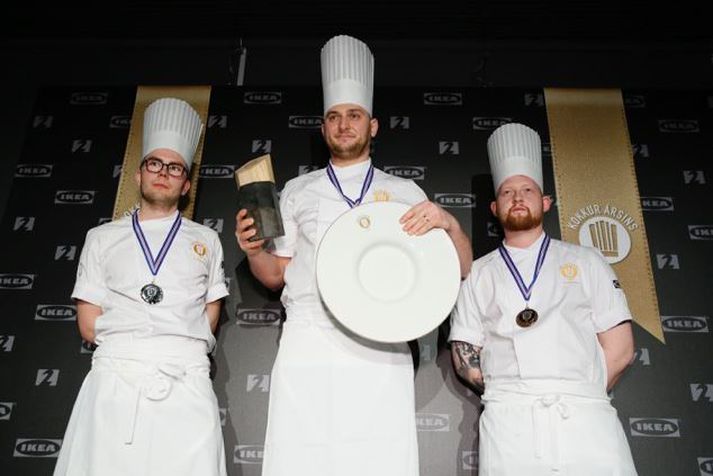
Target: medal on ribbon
x,y
151,293
527,316
364,187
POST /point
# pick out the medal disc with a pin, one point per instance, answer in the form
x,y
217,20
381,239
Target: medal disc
x,y
526,317
151,293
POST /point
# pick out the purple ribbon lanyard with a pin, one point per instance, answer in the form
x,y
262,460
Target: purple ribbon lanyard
x,y
526,291
364,188
155,264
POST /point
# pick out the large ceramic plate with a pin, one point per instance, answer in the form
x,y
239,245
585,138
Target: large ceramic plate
x,y
382,283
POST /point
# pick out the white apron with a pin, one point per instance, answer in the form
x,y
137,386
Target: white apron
x,y
340,405
548,427
146,408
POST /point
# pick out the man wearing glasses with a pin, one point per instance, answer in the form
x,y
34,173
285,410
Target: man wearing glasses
x,y
148,293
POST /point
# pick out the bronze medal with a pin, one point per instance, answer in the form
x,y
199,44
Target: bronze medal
x,y
526,317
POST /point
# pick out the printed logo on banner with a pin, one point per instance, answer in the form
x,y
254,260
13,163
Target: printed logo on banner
x,y
65,253
218,121
455,200
82,145
546,149
489,123
469,460
103,220
47,377
305,122
305,169
262,97
686,126
448,148
223,412
89,99
259,382
700,232
117,171
667,261
258,317
698,324
494,230
87,347
16,281
216,171
642,355
74,197
400,122
56,312
605,227
413,172
694,176
120,122
6,410
655,427
702,391
657,204
706,465
248,454
433,422
36,448
261,146
534,99
43,122
634,101
443,99
33,170
640,151
6,343
214,223
24,224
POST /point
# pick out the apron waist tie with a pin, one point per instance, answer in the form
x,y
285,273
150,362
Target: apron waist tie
x,y
155,387
549,407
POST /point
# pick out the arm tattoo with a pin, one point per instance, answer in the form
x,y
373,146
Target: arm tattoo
x,y
468,356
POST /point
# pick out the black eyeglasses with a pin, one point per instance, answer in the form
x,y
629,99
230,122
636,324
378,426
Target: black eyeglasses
x,y
155,166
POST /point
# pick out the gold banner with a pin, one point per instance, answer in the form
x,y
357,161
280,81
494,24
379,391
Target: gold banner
x,y
597,192
127,195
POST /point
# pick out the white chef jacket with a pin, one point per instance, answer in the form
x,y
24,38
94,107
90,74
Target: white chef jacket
x,y
306,198
576,296
328,386
546,410
112,270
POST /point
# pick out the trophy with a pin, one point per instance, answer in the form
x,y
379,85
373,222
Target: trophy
x,y
258,195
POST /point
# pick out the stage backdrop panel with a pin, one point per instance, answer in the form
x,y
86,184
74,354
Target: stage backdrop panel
x,y
66,181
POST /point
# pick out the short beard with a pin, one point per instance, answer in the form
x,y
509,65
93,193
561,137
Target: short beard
x,y
349,152
521,223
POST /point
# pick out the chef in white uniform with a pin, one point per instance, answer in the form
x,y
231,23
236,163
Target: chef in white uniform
x,y
544,326
148,293
339,404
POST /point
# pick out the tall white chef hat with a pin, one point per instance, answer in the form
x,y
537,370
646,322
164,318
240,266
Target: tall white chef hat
x,y
514,149
347,73
171,123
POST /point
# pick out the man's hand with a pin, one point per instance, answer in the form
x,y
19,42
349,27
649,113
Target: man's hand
x,y
424,217
244,229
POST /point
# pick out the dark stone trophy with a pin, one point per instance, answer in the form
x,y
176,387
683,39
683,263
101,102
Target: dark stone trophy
x,y
258,195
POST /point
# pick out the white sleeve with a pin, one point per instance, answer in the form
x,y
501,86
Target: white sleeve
x,y
216,279
609,304
466,318
90,285
284,246
415,194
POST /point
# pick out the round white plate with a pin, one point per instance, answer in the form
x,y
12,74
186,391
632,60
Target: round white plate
x,y
382,283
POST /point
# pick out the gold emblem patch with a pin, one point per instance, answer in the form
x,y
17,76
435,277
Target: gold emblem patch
x,y
569,271
200,249
381,196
